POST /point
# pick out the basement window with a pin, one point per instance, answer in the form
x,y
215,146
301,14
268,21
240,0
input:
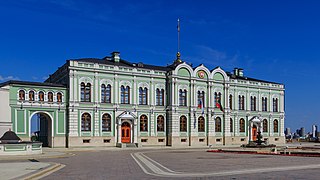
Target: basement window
x,y
218,140
242,139
106,140
201,140
86,140
160,140
144,140
183,140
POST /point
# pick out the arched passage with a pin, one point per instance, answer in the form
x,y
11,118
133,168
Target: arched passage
x,y
41,127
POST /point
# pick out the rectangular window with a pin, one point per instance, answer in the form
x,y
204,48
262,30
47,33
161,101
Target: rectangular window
x,y
183,140
86,140
182,97
106,140
160,97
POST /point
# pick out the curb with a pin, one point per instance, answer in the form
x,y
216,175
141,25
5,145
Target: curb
x,y
45,172
42,156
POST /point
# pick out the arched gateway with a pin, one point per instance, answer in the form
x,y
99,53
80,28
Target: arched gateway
x,y
41,128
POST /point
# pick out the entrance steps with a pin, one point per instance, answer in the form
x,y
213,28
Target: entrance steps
x,y
128,145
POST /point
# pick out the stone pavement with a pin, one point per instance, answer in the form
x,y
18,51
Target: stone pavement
x,y
11,168
28,167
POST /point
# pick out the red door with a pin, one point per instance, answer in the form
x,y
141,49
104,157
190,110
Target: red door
x,y
254,132
125,132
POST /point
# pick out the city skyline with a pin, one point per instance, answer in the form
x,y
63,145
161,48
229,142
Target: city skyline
x,y
273,41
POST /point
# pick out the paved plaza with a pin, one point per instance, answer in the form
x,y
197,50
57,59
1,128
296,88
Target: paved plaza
x,y
154,163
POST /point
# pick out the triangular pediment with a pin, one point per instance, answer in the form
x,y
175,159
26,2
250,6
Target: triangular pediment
x,y
127,115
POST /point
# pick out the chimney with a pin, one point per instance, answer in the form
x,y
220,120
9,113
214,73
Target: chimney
x,y
236,71
115,56
240,72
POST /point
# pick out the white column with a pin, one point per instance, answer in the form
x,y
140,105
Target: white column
x,y
96,88
134,91
176,97
116,89
135,131
119,131
152,93
209,94
281,102
192,93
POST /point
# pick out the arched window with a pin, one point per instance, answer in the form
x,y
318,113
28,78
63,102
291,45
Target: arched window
x,y
201,101
242,125
50,96
85,122
31,95
230,101
217,99
201,123
160,97
143,96
182,97
82,89
106,122
125,95
88,93
85,92
265,125
275,126
22,95
218,125
231,125
275,104
41,96
143,123
253,100
59,97
255,103
264,104
241,102
160,123
183,124
106,93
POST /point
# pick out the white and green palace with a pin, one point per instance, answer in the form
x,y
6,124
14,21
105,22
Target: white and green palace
x,y
113,102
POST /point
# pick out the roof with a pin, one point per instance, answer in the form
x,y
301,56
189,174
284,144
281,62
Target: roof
x,y
108,61
31,83
232,76
9,136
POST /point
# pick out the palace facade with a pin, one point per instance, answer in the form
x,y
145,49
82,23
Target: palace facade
x,y
113,102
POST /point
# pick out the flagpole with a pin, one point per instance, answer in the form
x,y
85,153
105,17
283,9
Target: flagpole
x,y
178,44
178,35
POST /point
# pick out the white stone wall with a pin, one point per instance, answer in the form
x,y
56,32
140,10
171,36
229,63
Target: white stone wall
x,y
5,110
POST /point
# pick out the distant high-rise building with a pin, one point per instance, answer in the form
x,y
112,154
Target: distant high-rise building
x,y
288,131
302,131
314,131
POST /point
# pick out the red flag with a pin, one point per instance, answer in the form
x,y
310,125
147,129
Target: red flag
x,y
218,105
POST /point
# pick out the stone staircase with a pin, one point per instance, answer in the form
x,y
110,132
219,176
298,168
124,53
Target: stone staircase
x,y
128,145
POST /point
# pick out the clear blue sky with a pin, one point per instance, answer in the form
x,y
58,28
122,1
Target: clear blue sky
x,y
272,40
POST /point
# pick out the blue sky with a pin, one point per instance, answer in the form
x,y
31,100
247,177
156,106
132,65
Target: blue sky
x,y
272,40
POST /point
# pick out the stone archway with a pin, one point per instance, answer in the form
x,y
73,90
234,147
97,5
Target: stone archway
x,y
41,126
